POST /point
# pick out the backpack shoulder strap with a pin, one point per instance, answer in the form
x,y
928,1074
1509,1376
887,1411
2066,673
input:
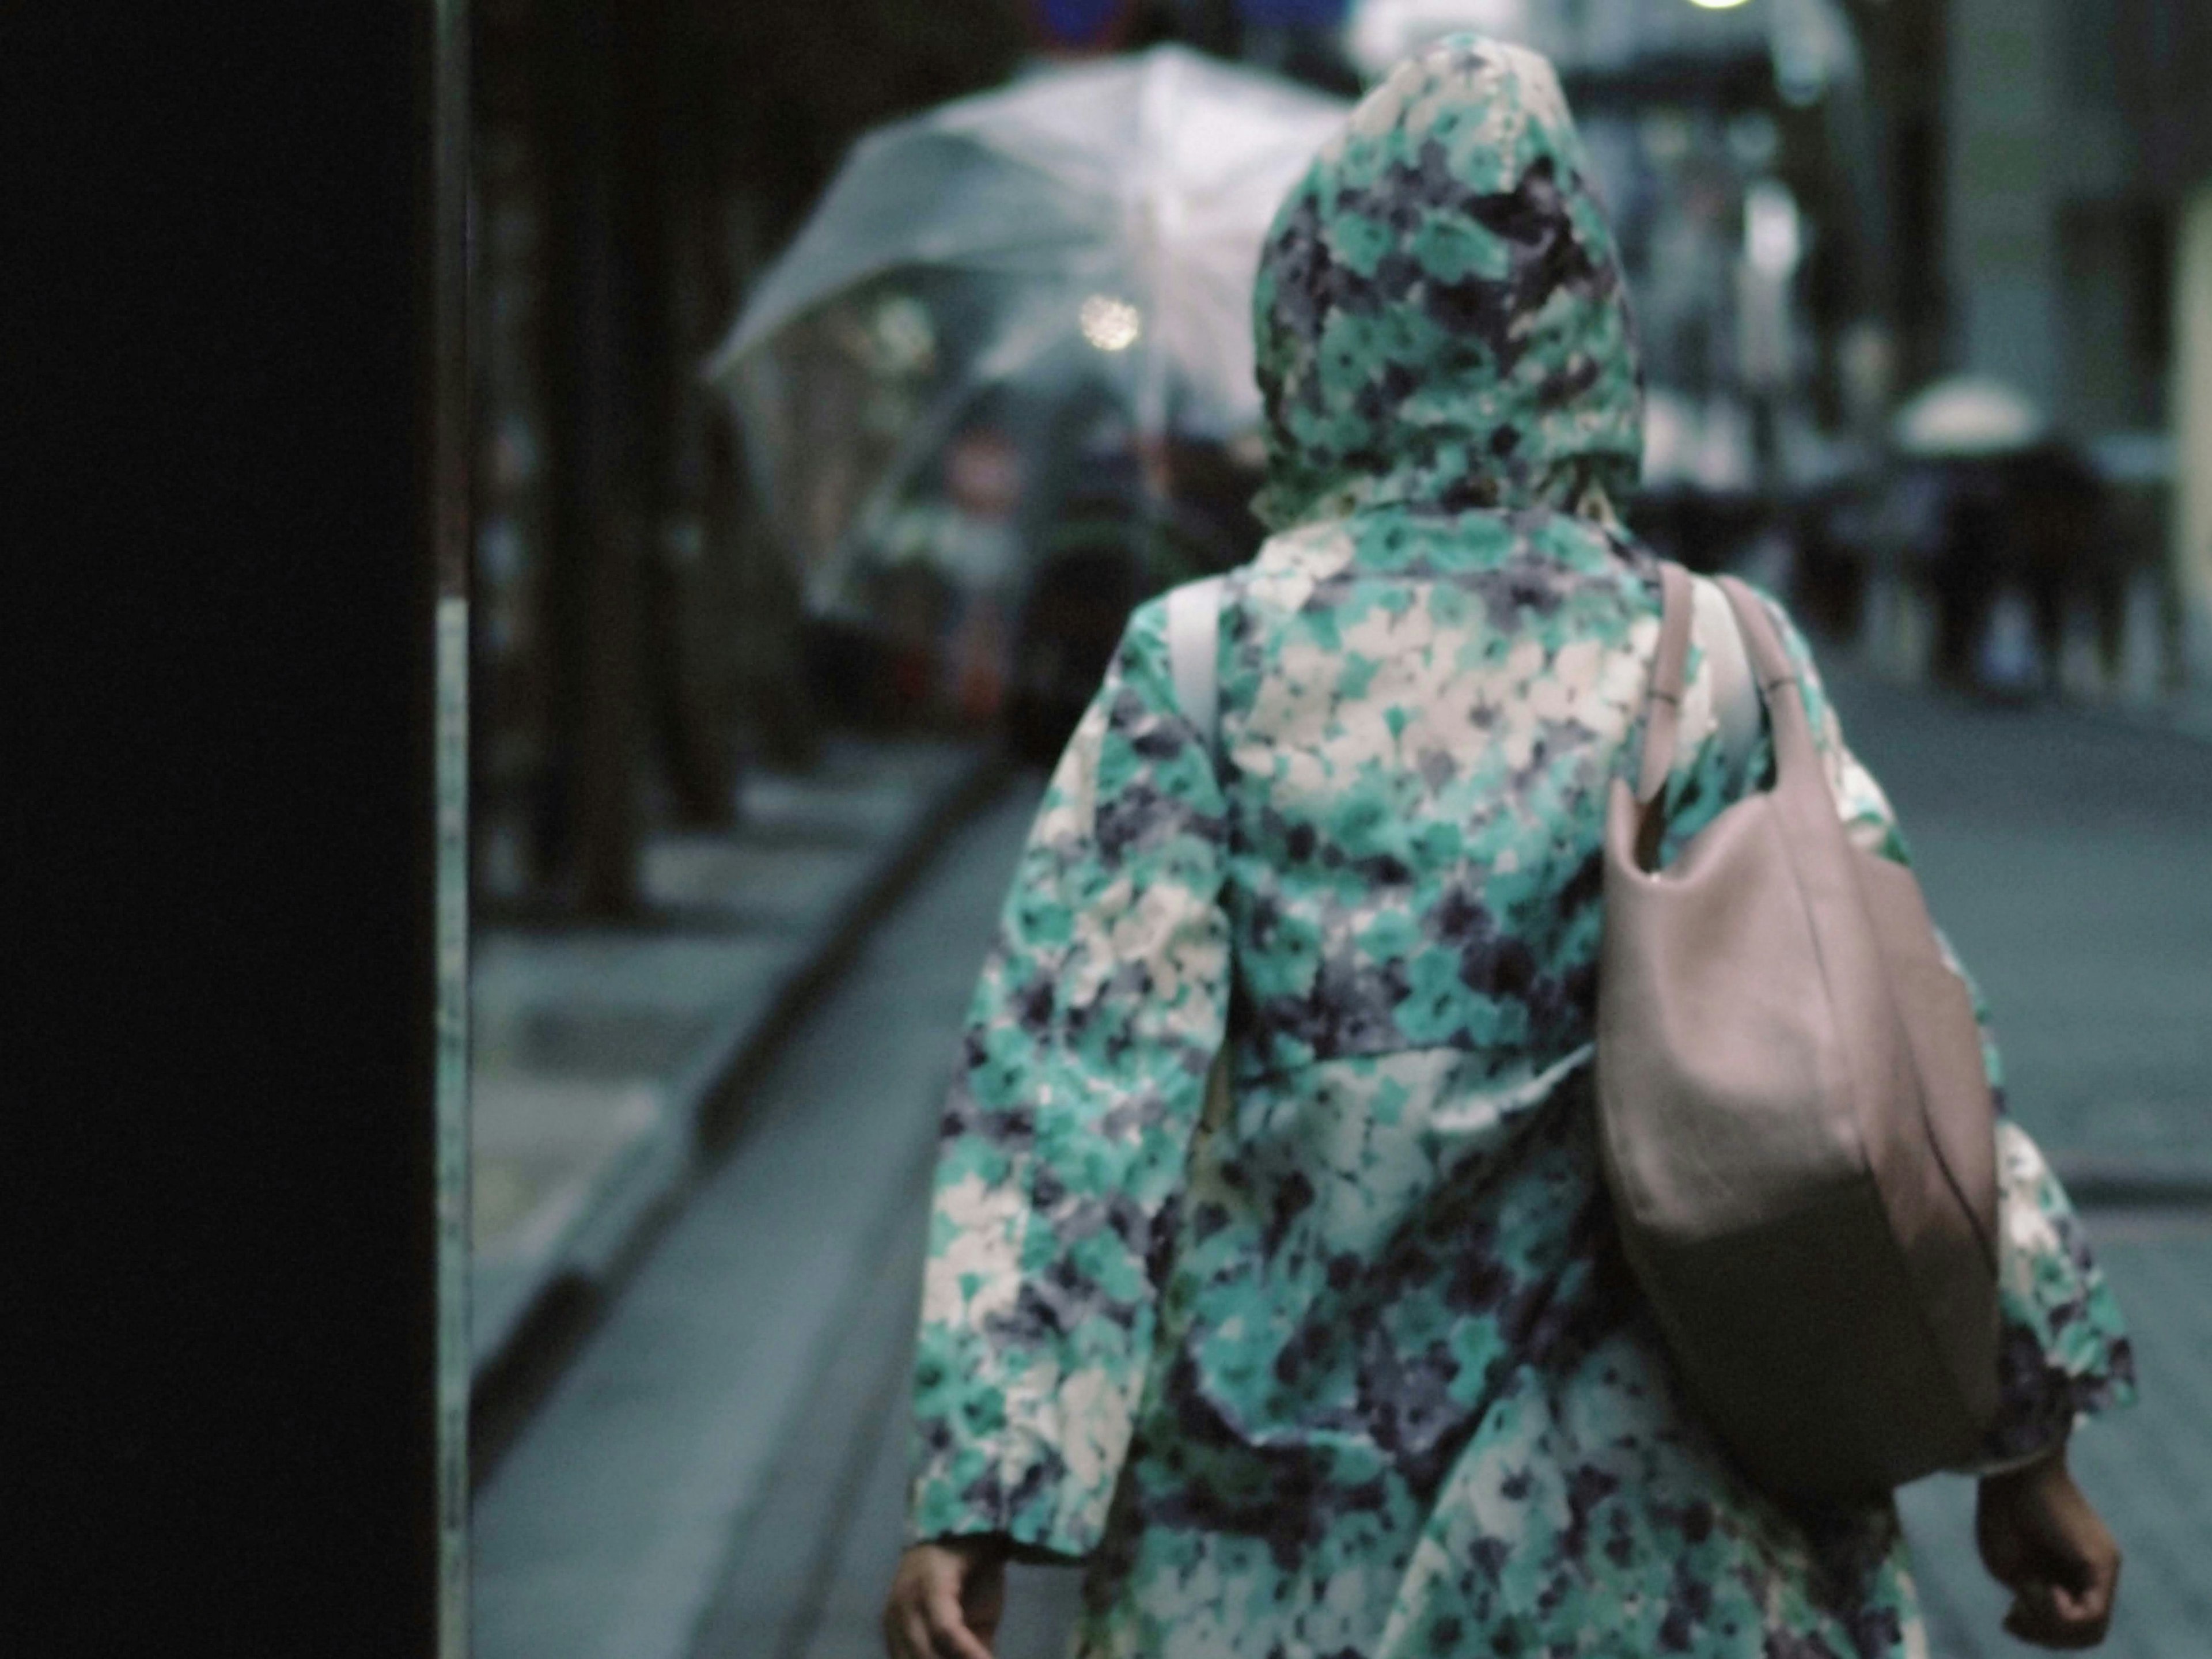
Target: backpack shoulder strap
x,y
1736,698
1193,650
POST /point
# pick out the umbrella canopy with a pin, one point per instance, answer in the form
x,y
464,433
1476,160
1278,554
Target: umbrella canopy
x,y
1967,416
1097,225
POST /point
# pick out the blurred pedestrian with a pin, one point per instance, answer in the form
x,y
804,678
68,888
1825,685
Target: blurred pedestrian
x,y
1344,1360
984,478
2068,553
2032,523
1969,563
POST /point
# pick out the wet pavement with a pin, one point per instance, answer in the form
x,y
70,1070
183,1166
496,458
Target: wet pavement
x,y
718,1474
2069,856
692,1472
2148,1469
596,1050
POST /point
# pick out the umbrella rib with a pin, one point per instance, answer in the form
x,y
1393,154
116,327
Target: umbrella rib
x,y
753,329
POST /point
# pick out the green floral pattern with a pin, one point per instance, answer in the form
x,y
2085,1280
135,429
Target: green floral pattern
x,y
1342,1360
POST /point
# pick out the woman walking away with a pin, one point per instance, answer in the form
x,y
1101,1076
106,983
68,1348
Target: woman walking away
x,y
1343,1359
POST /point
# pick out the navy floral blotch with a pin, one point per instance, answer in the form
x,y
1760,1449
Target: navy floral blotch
x,y
1342,1360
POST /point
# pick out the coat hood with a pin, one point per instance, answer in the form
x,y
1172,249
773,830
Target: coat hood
x,y
1440,318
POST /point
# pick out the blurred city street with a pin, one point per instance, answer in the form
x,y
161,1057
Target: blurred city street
x,y
839,391
717,1474
580,525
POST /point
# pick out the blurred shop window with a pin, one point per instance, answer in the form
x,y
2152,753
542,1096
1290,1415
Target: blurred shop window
x,y
2116,271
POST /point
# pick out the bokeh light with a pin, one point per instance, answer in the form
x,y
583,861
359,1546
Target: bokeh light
x,y
1110,323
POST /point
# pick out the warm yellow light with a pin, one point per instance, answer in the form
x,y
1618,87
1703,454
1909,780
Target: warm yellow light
x,y
1110,324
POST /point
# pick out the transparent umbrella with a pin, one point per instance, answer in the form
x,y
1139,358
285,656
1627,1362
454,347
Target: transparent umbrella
x,y
1088,231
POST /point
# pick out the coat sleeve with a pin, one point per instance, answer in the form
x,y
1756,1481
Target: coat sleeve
x,y
1068,1128
2064,1350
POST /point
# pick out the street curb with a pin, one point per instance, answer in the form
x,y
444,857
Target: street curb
x,y
2096,1181
641,1188
722,1087
2188,717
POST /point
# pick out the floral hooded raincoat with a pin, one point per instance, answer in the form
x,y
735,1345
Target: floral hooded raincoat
x,y
1347,1364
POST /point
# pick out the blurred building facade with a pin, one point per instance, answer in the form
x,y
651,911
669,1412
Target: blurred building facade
x,y
2074,133
2077,164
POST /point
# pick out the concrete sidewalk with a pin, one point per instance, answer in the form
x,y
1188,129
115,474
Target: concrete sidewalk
x,y
597,1051
690,1475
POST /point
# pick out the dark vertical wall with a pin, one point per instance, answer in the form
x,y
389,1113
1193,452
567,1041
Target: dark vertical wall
x,y
1904,48
670,147
219,1335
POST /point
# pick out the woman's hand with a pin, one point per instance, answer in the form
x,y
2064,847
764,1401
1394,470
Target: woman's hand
x,y
2040,1538
946,1600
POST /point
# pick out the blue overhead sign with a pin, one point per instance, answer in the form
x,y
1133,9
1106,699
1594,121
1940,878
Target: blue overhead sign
x,y
1082,25
1294,13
